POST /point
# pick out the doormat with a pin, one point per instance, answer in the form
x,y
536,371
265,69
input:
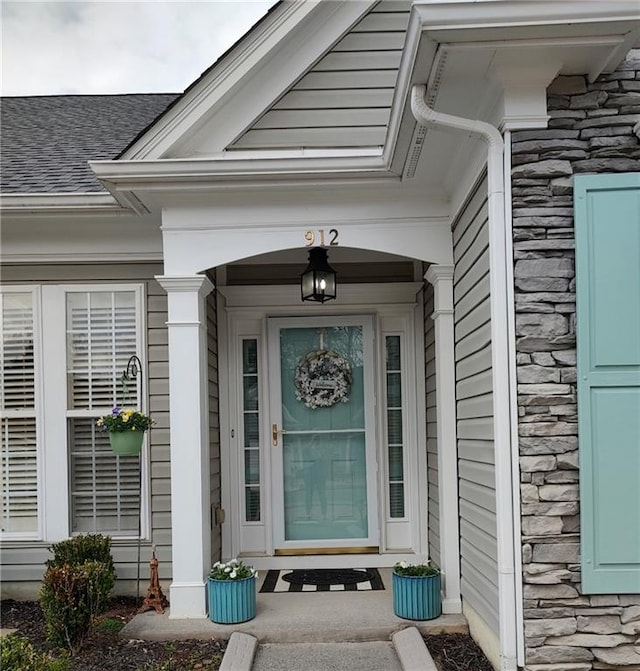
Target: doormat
x,y
323,580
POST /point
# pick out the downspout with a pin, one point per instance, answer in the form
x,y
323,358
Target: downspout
x,y
500,339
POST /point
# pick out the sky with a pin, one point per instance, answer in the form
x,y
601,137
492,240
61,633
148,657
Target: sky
x,y
111,46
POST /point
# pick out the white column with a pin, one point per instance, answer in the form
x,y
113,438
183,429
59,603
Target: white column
x,y
189,436
441,277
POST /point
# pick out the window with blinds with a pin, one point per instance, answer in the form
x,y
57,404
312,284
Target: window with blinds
x,y
251,430
19,461
102,334
395,443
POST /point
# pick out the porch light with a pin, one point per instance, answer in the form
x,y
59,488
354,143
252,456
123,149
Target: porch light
x,y
318,281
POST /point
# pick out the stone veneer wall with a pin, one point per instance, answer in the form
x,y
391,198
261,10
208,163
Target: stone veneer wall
x,y
590,131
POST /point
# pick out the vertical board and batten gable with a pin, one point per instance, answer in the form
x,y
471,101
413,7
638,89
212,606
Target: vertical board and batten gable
x,y
474,403
345,99
24,560
432,427
607,230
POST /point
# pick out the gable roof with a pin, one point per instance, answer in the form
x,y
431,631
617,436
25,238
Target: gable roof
x,y
47,141
345,99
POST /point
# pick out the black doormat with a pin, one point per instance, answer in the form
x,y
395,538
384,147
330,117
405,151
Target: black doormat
x,y
323,580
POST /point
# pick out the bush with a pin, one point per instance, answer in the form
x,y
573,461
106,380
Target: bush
x,y
71,597
88,551
81,549
17,654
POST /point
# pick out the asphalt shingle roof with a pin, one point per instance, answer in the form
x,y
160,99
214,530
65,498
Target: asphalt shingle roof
x,y
46,141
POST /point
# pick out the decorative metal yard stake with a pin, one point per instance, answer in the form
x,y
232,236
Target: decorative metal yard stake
x,y
133,369
155,598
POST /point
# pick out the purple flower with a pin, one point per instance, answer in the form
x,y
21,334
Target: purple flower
x,y
116,410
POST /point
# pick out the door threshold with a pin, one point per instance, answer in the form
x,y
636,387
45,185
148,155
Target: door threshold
x,y
305,552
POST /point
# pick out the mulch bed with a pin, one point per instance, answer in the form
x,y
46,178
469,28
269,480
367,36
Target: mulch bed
x,y
105,650
456,652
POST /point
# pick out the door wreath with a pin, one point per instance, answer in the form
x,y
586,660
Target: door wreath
x,y
323,378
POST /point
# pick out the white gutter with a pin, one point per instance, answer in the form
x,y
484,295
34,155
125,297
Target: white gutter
x,y
513,388
501,337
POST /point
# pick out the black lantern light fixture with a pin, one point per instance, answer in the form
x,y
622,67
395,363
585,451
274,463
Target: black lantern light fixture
x,y
318,281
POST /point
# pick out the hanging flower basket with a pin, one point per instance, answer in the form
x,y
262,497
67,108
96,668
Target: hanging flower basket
x,y
416,591
126,430
126,442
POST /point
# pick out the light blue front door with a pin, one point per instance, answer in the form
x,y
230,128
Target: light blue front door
x,y
324,453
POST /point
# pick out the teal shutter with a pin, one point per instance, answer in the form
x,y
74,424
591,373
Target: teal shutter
x,y
607,229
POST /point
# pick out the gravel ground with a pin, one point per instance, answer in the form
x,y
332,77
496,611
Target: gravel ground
x,y
104,650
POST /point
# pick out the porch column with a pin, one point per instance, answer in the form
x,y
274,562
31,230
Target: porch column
x,y
189,438
441,277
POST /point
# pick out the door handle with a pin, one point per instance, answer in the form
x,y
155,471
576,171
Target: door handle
x,y
274,434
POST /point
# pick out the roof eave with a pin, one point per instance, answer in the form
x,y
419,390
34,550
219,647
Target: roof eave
x,y
130,179
67,204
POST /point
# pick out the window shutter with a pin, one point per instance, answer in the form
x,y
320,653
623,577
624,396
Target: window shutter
x,y
102,334
19,462
607,223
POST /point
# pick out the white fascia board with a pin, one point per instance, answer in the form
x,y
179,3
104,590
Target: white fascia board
x,y
254,75
513,13
185,174
68,204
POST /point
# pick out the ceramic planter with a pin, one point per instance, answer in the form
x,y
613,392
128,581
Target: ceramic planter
x,y
126,443
416,597
231,601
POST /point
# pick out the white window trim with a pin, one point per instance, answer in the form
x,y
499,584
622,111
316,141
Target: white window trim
x,y
38,396
57,523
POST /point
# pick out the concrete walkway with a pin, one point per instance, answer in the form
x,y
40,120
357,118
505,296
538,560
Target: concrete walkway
x,y
302,619
372,656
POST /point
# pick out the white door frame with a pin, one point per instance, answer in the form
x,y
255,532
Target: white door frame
x,y
275,324
243,313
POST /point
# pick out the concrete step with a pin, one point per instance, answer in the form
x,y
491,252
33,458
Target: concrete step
x,y
370,656
303,617
405,652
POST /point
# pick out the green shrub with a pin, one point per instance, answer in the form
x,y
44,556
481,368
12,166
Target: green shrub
x,y
81,549
17,654
92,553
69,599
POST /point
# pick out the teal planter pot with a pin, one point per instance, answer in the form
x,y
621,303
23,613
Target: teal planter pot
x,y
126,443
416,598
231,601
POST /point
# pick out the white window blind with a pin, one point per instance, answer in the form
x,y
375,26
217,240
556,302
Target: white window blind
x,y
395,440
102,334
19,461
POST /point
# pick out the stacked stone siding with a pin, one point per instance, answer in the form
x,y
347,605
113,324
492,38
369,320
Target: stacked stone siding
x,y
591,130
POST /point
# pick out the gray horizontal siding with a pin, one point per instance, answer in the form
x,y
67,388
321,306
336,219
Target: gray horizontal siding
x,y
214,422
22,561
432,428
345,99
474,407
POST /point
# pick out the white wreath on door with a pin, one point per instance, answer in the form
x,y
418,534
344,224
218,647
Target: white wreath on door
x,y
323,378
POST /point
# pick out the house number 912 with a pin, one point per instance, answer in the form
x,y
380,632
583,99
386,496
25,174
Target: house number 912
x,y
311,237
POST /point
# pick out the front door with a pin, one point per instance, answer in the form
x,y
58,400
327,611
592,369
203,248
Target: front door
x,y
322,402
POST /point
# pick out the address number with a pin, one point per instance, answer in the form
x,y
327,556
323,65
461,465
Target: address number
x,y
318,238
